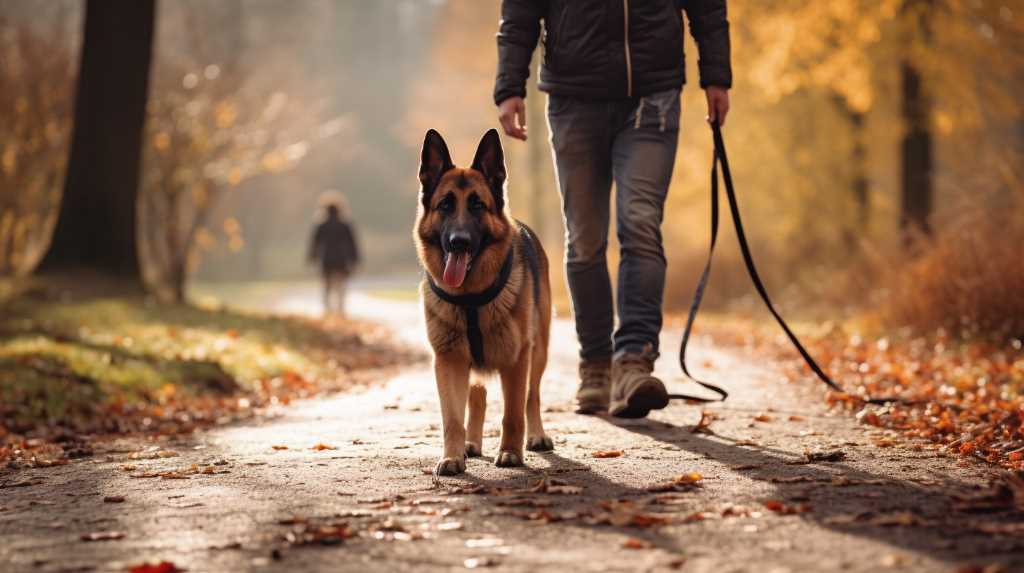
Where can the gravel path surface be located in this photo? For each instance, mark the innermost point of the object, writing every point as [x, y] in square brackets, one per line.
[364, 500]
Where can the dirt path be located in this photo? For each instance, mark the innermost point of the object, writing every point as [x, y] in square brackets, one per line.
[878, 508]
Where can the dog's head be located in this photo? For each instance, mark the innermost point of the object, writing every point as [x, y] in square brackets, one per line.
[462, 222]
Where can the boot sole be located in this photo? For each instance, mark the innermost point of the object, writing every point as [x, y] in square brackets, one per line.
[651, 395]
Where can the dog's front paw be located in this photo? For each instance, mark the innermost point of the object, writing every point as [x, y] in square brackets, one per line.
[473, 450]
[508, 459]
[540, 443]
[450, 466]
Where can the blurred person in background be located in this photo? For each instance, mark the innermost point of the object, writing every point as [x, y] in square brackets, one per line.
[334, 247]
[613, 71]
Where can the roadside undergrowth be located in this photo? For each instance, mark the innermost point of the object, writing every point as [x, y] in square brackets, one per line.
[944, 331]
[71, 370]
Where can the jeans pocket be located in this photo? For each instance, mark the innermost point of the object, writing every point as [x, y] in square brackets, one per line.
[557, 105]
[658, 111]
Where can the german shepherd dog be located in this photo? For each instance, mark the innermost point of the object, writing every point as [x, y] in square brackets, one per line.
[487, 301]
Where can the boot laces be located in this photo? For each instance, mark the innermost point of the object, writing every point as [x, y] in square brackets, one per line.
[593, 375]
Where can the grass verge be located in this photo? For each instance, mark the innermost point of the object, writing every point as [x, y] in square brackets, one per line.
[127, 364]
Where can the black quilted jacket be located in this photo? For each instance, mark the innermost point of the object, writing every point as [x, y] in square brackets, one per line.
[606, 49]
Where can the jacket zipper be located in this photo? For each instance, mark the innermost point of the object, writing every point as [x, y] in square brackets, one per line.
[629, 63]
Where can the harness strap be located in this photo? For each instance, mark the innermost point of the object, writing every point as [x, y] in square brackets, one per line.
[471, 303]
[748, 260]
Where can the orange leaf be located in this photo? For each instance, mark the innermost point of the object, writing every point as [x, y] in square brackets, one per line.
[162, 567]
[634, 543]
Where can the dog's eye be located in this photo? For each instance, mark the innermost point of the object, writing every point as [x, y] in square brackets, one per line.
[476, 205]
[447, 205]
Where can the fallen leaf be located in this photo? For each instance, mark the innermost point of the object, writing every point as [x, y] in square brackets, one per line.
[161, 567]
[102, 536]
[279, 447]
[763, 418]
[322, 446]
[450, 526]
[634, 543]
[785, 509]
[703, 425]
[681, 482]
[555, 487]
[114, 499]
[478, 489]
[601, 454]
[990, 568]
[901, 518]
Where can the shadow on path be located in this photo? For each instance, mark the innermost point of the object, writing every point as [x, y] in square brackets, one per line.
[915, 515]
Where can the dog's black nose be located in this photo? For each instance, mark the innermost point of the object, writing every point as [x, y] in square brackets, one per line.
[459, 241]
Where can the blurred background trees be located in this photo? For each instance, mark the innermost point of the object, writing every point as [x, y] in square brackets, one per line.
[859, 128]
[38, 66]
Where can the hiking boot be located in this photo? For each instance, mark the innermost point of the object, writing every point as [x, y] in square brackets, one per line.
[595, 385]
[635, 392]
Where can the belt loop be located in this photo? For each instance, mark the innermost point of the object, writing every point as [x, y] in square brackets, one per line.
[639, 113]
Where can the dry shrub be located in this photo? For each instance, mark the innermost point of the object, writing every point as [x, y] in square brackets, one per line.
[969, 279]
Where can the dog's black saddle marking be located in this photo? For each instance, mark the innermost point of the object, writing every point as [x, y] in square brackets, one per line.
[471, 303]
[530, 256]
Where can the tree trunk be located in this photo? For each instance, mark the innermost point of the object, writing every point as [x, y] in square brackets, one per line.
[916, 197]
[860, 184]
[96, 228]
[917, 192]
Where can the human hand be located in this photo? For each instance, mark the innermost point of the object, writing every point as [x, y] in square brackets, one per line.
[512, 116]
[718, 104]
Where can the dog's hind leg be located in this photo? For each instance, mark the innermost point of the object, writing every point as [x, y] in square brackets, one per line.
[513, 423]
[477, 409]
[536, 439]
[452, 387]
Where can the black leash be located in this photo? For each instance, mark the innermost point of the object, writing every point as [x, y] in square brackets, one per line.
[748, 260]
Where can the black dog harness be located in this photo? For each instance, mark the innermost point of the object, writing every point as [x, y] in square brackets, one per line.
[471, 303]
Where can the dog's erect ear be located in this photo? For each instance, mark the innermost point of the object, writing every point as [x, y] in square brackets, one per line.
[490, 160]
[434, 162]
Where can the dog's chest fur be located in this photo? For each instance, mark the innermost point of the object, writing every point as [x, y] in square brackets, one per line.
[504, 337]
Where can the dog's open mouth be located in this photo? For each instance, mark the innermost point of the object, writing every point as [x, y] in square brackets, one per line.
[455, 267]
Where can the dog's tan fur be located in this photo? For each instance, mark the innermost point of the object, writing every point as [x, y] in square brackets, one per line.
[515, 329]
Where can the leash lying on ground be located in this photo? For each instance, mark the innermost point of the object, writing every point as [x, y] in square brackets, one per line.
[748, 260]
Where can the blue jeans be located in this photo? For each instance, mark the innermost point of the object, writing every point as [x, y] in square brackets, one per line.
[633, 143]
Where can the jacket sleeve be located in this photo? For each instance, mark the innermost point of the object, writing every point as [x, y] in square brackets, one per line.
[518, 33]
[709, 26]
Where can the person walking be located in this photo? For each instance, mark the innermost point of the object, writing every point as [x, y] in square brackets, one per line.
[613, 71]
[333, 246]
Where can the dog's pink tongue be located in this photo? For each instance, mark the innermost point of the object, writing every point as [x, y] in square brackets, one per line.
[455, 269]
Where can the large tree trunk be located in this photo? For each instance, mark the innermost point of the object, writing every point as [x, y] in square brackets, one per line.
[96, 228]
[917, 149]
[917, 192]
